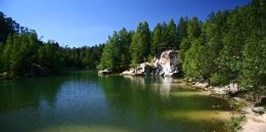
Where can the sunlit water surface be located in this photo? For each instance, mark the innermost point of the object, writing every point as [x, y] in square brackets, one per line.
[82, 101]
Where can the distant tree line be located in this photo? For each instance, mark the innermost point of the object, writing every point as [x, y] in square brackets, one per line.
[23, 54]
[228, 46]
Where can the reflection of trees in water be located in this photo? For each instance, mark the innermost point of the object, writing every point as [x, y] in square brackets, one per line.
[28, 93]
[32, 93]
[161, 85]
[151, 98]
[156, 93]
[126, 96]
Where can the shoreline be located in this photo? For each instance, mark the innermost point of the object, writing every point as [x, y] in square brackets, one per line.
[252, 122]
[243, 117]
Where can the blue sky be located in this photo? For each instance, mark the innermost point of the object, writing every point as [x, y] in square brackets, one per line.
[89, 22]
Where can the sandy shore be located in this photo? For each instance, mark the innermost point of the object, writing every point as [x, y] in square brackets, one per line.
[254, 122]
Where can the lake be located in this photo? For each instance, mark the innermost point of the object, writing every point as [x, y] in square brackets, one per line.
[84, 101]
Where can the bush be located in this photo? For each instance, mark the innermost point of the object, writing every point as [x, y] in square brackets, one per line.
[218, 80]
[235, 123]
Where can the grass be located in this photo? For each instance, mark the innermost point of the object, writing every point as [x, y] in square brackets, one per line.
[234, 124]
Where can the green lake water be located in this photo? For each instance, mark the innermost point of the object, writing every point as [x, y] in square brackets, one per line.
[86, 102]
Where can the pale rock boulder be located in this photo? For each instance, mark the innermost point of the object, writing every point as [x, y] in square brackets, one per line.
[166, 65]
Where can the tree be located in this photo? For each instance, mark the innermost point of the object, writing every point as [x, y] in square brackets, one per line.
[50, 56]
[253, 71]
[171, 37]
[181, 31]
[194, 28]
[193, 32]
[140, 46]
[197, 62]
[233, 40]
[116, 52]
[19, 52]
[213, 30]
[107, 60]
[156, 40]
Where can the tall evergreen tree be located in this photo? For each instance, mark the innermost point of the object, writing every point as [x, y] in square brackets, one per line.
[193, 32]
[181, 30]
[140, 46]
[156, 40]
[171, 37]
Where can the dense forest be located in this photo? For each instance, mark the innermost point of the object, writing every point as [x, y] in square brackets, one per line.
[22, 53]
[227, 46]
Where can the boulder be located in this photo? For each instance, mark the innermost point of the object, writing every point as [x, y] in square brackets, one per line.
[145, 68]
[128, 72]
[104, 72]
[3, 75]
[201, 85]
[166, 65]
[259, 110]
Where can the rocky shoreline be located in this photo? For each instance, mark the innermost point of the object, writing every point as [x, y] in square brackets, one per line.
[254, 117]
[168, 64]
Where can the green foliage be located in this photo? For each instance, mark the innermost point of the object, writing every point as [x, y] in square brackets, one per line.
[164, 37]
[194, 28]
[184, 47]
[235, 123]
[116, 52]
[50, 56]
[254, 64]
[230, 46]
[157, 40]
[18, 53]
[171, 37]
[181, 31]
[197, 62]
[193, 32]
[141, 42]
[219, 79]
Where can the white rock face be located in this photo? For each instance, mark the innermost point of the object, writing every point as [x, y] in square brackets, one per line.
[104, 72]
[166, 65]
[168, 62]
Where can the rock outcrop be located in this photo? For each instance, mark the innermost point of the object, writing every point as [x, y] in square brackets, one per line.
[104, 72]
[167, 65]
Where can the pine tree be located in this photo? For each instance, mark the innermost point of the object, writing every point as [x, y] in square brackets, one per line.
[181, 31]
[156, 40]
[141, 42]
[171, 37]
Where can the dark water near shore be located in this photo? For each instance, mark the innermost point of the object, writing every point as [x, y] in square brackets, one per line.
[82, 101]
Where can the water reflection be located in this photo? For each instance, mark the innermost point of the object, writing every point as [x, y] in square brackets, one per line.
[19, 94]
[160, 85]
[84, 102]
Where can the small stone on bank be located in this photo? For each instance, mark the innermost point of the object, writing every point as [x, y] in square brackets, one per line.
[259, 110]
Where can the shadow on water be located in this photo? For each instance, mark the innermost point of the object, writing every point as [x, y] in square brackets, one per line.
[82, 101]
